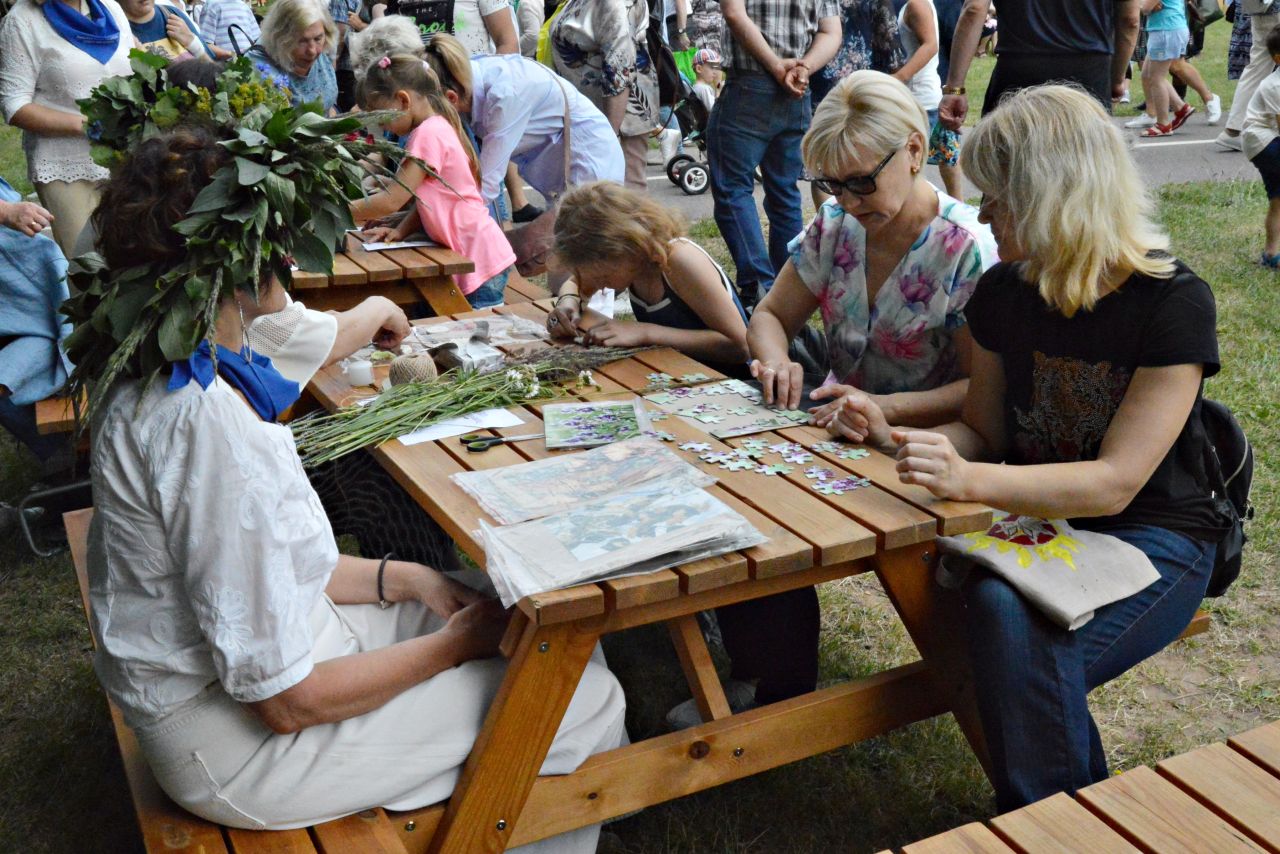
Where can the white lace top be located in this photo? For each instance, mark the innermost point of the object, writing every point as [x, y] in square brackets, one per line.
[207, 552]
[38, 66]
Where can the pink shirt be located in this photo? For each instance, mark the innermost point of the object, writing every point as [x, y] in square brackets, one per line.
[459, 219]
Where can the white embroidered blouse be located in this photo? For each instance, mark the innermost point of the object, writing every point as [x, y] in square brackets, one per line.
[38, 66]
[207, 552]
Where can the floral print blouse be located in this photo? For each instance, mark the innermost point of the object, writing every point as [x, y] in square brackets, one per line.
[904, 341]
[599, 47]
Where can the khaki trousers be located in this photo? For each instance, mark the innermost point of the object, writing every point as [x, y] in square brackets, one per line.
[71, 203]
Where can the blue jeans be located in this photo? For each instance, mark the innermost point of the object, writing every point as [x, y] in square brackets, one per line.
[1032, 678]
[490, 293]
[21, 422]
[756, 123]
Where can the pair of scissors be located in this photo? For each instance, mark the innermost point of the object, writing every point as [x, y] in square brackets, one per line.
[477, 442]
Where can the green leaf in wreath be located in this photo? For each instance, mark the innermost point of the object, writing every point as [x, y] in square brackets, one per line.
[312, 254]
[178, 338]
[250, 171]
[217, 194]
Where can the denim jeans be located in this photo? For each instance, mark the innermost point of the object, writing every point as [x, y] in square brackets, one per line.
[756, 123]
[21, 422]
[490, 293]
[1032, 677]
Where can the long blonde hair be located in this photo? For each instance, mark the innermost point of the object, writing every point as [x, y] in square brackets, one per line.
[1077, 207]
[452, 64]
[411, 74]
[604, 221]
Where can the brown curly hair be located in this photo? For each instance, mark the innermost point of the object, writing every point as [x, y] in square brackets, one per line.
[152, 192]
[604, 221]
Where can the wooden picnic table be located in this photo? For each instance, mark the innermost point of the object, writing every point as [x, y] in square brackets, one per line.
[404, 276]
[887, 528]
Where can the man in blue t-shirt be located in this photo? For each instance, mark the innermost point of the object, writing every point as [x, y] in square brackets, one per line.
[1087, 42]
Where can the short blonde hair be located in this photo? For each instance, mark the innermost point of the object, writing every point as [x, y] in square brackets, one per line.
[604, 221]
[867, 113]
[284, 24]
[386, 36]
[1079, 211]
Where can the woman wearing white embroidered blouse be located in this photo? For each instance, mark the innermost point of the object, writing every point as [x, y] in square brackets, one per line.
[265, 685]
[51, 54]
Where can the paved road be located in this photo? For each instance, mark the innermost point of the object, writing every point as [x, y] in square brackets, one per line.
[1188, 155]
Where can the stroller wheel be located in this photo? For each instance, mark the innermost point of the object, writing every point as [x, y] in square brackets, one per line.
[676, 165]
[694, 179]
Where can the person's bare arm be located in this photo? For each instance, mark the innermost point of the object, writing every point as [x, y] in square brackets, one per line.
[393, 197]
[920, 20]
[964, 44]
[774, 323]
[377, 319]
[503, 31]
[47, 121]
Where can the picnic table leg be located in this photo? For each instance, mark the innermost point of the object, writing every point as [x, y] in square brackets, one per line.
[442, 294]
[699, 669]
[935, 620]
[542, 675]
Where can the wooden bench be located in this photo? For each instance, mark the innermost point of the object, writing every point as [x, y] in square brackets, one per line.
[1216, 799]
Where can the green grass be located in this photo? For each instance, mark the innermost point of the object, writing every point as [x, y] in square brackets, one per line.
[13, 166]
[63, 785]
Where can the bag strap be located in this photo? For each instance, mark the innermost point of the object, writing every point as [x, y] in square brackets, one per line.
[568, 125]
[235, 44]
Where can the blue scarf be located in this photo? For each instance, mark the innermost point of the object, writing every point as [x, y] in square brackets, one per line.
[256, 378]
[96, 35]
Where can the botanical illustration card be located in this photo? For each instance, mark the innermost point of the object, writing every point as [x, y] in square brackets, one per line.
[518, 493]
[725, 409]
[589, 425]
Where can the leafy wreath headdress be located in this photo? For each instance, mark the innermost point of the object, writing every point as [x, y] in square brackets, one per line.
[282, 194]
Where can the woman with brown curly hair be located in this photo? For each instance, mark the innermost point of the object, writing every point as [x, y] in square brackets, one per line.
[266, 687]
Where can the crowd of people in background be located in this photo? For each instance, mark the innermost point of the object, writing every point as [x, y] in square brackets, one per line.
[929, 307]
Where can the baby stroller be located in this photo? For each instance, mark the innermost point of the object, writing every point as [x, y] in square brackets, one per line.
[690, 174]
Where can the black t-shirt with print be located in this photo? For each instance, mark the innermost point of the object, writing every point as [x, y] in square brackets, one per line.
[1065, 379]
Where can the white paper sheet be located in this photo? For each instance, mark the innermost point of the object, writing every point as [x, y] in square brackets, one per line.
[483, 420]
[404, 244]
[602, 301]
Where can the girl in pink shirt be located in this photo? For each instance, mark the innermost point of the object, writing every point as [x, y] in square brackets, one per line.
[449, 207]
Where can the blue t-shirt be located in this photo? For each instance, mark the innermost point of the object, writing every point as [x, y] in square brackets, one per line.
[320, 86]
[1172, 15]
[155, 39]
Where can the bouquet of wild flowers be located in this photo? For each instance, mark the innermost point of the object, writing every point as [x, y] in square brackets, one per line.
[322, 437]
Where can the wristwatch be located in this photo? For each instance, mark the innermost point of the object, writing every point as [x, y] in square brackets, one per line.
[953, 90]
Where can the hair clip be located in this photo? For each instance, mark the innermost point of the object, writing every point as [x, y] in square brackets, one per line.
[385, 62]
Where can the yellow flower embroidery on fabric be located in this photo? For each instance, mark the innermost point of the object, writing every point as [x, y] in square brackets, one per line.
[1029, 538]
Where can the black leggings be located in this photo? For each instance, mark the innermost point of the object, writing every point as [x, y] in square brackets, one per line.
[775, 640]
[1014, 71]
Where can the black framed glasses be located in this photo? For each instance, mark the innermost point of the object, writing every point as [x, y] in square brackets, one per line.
[858, 185]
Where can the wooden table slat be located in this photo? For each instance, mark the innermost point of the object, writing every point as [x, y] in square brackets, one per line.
[676, 364]
[424, 470]
[1059, 825]
[966, 839]
[636, 590]
[954, 517]
[347, 272]
[369, 831]
[1232, 786]
[448, 262]
[712, 572]
[1156, 815]
[377, 267]
[301, 280]
[562, 606]
[269, 841]
[1261, 745]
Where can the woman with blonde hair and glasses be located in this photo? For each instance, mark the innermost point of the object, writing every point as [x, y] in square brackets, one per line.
[1091, 345]
[298, 40]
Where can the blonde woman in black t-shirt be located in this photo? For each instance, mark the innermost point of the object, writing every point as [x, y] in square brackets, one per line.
[1091, 343]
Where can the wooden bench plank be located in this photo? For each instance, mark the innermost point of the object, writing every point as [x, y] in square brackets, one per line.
[370, 831]
[270, 841]
[1235, 788]
[376, 267]
[1200, 623]
[1059, 825]
[303, 281]
[1261, 745]
[966, 839]
[55, 415]
[1156, 815]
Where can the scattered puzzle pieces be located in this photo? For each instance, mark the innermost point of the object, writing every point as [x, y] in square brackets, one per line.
[827, 487]
[660, 434]
[738, 465]
[755, 444]
[826, 447]
[694, 378]
[696, 447]
[716, 457]
[662, 398]
[741, 410]
[748, 453]
[799, 416]
[800, 458]
[840, 487]
[775, 469]
[819, 473]
[660, 379]
[658, 416]
[853, 454]
[709, 419]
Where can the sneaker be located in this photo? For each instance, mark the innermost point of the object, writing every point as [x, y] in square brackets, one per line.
[528, 213]
[741, 696]
[1180, 118]
[1124, 99]
[1213, 111]
[1142, 121]
[1229, 142]
[1272, 261]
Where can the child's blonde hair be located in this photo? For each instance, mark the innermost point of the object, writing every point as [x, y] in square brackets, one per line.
[1051, 156]
[452, 64]
[389, 75]
[603, 221]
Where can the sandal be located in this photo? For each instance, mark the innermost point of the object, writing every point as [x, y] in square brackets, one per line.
[1157, 130]
[1180, 117]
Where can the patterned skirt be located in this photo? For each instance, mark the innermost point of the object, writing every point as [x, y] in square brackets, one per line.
[1239, 46]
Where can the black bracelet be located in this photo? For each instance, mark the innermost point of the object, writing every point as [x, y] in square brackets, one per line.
[382, 567]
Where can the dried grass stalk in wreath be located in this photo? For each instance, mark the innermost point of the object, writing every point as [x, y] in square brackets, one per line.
[323, 437]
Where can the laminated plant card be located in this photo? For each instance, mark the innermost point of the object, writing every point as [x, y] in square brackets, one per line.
[725, 409]
[589, 425]
[526, 491]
